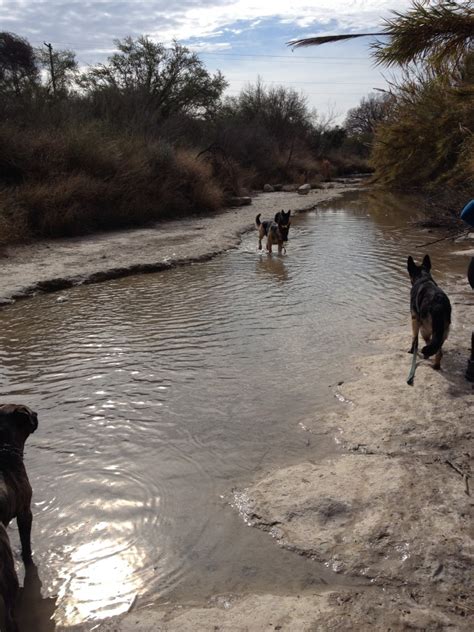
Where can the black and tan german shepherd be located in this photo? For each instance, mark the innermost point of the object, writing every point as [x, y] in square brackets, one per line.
[430, 310]
[275, 231]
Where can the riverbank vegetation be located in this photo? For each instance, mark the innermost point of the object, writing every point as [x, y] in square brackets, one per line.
[421, 130]
[146, 135]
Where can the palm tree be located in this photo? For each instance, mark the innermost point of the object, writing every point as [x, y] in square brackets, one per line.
[436, 33]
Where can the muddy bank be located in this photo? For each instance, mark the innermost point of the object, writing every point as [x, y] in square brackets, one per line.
[318, 612]
[53, 265]
[393, 510]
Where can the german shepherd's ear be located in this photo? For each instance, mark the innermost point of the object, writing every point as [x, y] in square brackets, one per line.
[426, 263]
[411, 266]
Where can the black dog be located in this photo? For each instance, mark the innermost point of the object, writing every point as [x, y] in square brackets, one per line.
[430, 310]
[17, 422]
[275, 232]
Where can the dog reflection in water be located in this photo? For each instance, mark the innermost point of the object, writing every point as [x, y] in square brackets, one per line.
[33, 612]
[273, 266]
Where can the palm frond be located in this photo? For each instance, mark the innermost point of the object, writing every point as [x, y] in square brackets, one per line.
[435, 33]
[326, 39]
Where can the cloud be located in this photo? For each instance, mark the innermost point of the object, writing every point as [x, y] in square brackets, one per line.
[80, 24]
[209, 47]
[237, 36]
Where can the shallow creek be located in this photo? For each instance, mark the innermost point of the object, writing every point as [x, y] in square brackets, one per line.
[158, 394]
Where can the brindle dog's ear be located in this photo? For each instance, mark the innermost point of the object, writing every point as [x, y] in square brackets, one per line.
[426, 263]
[411, 266]
[28, 416]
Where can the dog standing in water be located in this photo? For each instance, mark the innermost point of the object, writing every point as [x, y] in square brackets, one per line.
[430, 310]
[275, 231]
[17, 422]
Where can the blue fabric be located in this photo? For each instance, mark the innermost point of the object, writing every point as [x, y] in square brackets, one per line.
[467, 214]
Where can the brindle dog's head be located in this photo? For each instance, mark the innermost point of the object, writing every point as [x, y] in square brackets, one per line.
[17, 422]
[283, 221]
[415, 271]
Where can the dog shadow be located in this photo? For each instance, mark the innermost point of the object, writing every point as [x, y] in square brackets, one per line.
[273, 265]
[34, 613]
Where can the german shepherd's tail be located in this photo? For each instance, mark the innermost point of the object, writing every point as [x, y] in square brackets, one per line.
[440, 321]
[257, 220]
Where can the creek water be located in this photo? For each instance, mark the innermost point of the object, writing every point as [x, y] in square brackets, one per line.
[159, 394]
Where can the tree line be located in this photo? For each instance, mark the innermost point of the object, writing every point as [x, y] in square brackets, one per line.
[148, 133]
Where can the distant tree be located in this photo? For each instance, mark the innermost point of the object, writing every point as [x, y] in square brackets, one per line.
[18, 69]
[170, 80]
[282, 111]
[60, 67]
[361, 121]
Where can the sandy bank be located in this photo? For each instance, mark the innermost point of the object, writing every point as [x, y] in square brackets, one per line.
[57, 264]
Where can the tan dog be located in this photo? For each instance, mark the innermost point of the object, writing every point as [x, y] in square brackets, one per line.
[17, 422]
[276, 232]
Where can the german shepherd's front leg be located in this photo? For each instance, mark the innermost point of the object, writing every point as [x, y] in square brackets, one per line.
[415, 326]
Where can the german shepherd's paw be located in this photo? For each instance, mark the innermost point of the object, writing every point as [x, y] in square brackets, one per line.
[426, 352]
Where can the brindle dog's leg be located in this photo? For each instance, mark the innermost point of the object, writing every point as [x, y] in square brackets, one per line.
[261, 235]
[24, 527]
[415, 326]
[269, 243]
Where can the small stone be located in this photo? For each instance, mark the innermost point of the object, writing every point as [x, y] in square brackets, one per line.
[304, 189]
[240, 201]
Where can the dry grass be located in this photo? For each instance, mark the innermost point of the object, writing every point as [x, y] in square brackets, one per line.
[82, 180]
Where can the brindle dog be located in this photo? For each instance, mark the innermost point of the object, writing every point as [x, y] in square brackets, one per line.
[430, 310]
[17, 422]
[275, 231]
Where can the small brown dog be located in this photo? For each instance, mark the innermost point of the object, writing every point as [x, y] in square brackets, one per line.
[276, 232]
[17, 422]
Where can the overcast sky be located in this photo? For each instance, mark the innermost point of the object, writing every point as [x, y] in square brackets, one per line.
[243, 38]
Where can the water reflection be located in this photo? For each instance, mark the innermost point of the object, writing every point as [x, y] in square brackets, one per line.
[273, 266]
[34, 612]
[104, 581]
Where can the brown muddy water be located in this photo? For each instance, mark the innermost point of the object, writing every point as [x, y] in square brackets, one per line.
[158, 394]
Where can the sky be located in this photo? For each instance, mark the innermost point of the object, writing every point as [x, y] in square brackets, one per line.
[244, 39]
